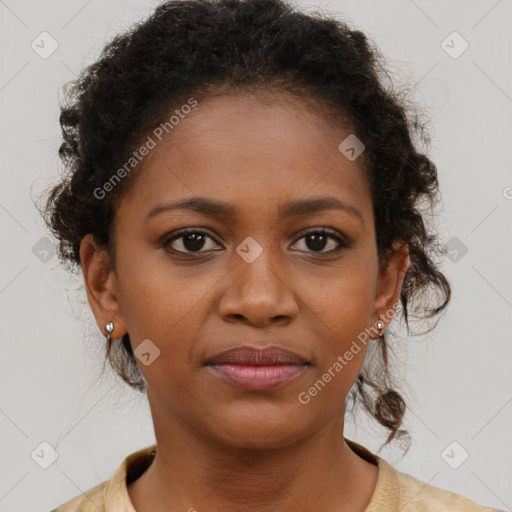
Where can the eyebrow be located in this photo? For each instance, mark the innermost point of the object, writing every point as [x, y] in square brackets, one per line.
[215, 208]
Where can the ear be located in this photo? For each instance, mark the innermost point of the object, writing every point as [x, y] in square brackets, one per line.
[389, 286]
[101, 286]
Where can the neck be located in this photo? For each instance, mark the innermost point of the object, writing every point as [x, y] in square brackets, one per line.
[192, 471]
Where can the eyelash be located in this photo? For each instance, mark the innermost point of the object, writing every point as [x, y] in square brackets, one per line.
[343, 242]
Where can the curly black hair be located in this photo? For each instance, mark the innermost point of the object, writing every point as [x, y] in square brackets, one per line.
[192, 48]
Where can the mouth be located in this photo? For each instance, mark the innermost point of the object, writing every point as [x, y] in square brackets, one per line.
[253, 369]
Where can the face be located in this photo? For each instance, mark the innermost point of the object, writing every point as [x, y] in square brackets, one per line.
[256, 272]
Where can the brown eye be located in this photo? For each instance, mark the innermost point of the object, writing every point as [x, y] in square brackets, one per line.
[189, 241]
[319, 240]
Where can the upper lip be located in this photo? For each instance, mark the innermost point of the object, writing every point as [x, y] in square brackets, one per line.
[268, 356]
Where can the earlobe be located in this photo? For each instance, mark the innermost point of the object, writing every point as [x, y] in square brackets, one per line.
[101, 285]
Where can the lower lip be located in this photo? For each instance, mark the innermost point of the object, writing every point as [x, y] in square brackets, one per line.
[258, 378]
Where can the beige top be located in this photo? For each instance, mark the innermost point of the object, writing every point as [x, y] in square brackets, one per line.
[394, 492]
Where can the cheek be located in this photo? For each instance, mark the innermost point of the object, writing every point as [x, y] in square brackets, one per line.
[341, 351]
[345, 302]
[160, 300]
[167, 305]
[343, 312]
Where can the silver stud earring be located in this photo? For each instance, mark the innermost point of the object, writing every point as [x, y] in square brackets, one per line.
[380, 326]
[109, 328]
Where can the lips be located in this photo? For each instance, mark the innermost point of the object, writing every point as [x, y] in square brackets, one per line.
[249, 356]
[253, 369]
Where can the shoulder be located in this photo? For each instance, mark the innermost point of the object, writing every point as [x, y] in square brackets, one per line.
[92, 500]
[398, 491]
[112, 495]
[418, 496]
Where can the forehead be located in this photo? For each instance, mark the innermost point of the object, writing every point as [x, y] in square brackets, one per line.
[253, 149]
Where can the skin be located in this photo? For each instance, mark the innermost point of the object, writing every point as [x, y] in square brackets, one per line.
[256, 153]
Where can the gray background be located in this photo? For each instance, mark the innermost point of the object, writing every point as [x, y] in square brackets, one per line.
[457, 380]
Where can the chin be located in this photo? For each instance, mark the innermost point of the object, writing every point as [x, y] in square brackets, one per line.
[260, 427]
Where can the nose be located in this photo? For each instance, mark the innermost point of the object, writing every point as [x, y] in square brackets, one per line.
[257, 293]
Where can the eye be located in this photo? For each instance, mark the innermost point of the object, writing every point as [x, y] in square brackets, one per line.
[191, 239]
[318, 239]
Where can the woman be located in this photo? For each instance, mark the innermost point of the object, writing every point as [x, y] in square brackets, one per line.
[244, 203]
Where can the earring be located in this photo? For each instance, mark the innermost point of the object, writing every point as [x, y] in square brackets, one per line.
[109, 328]
[380, 326]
